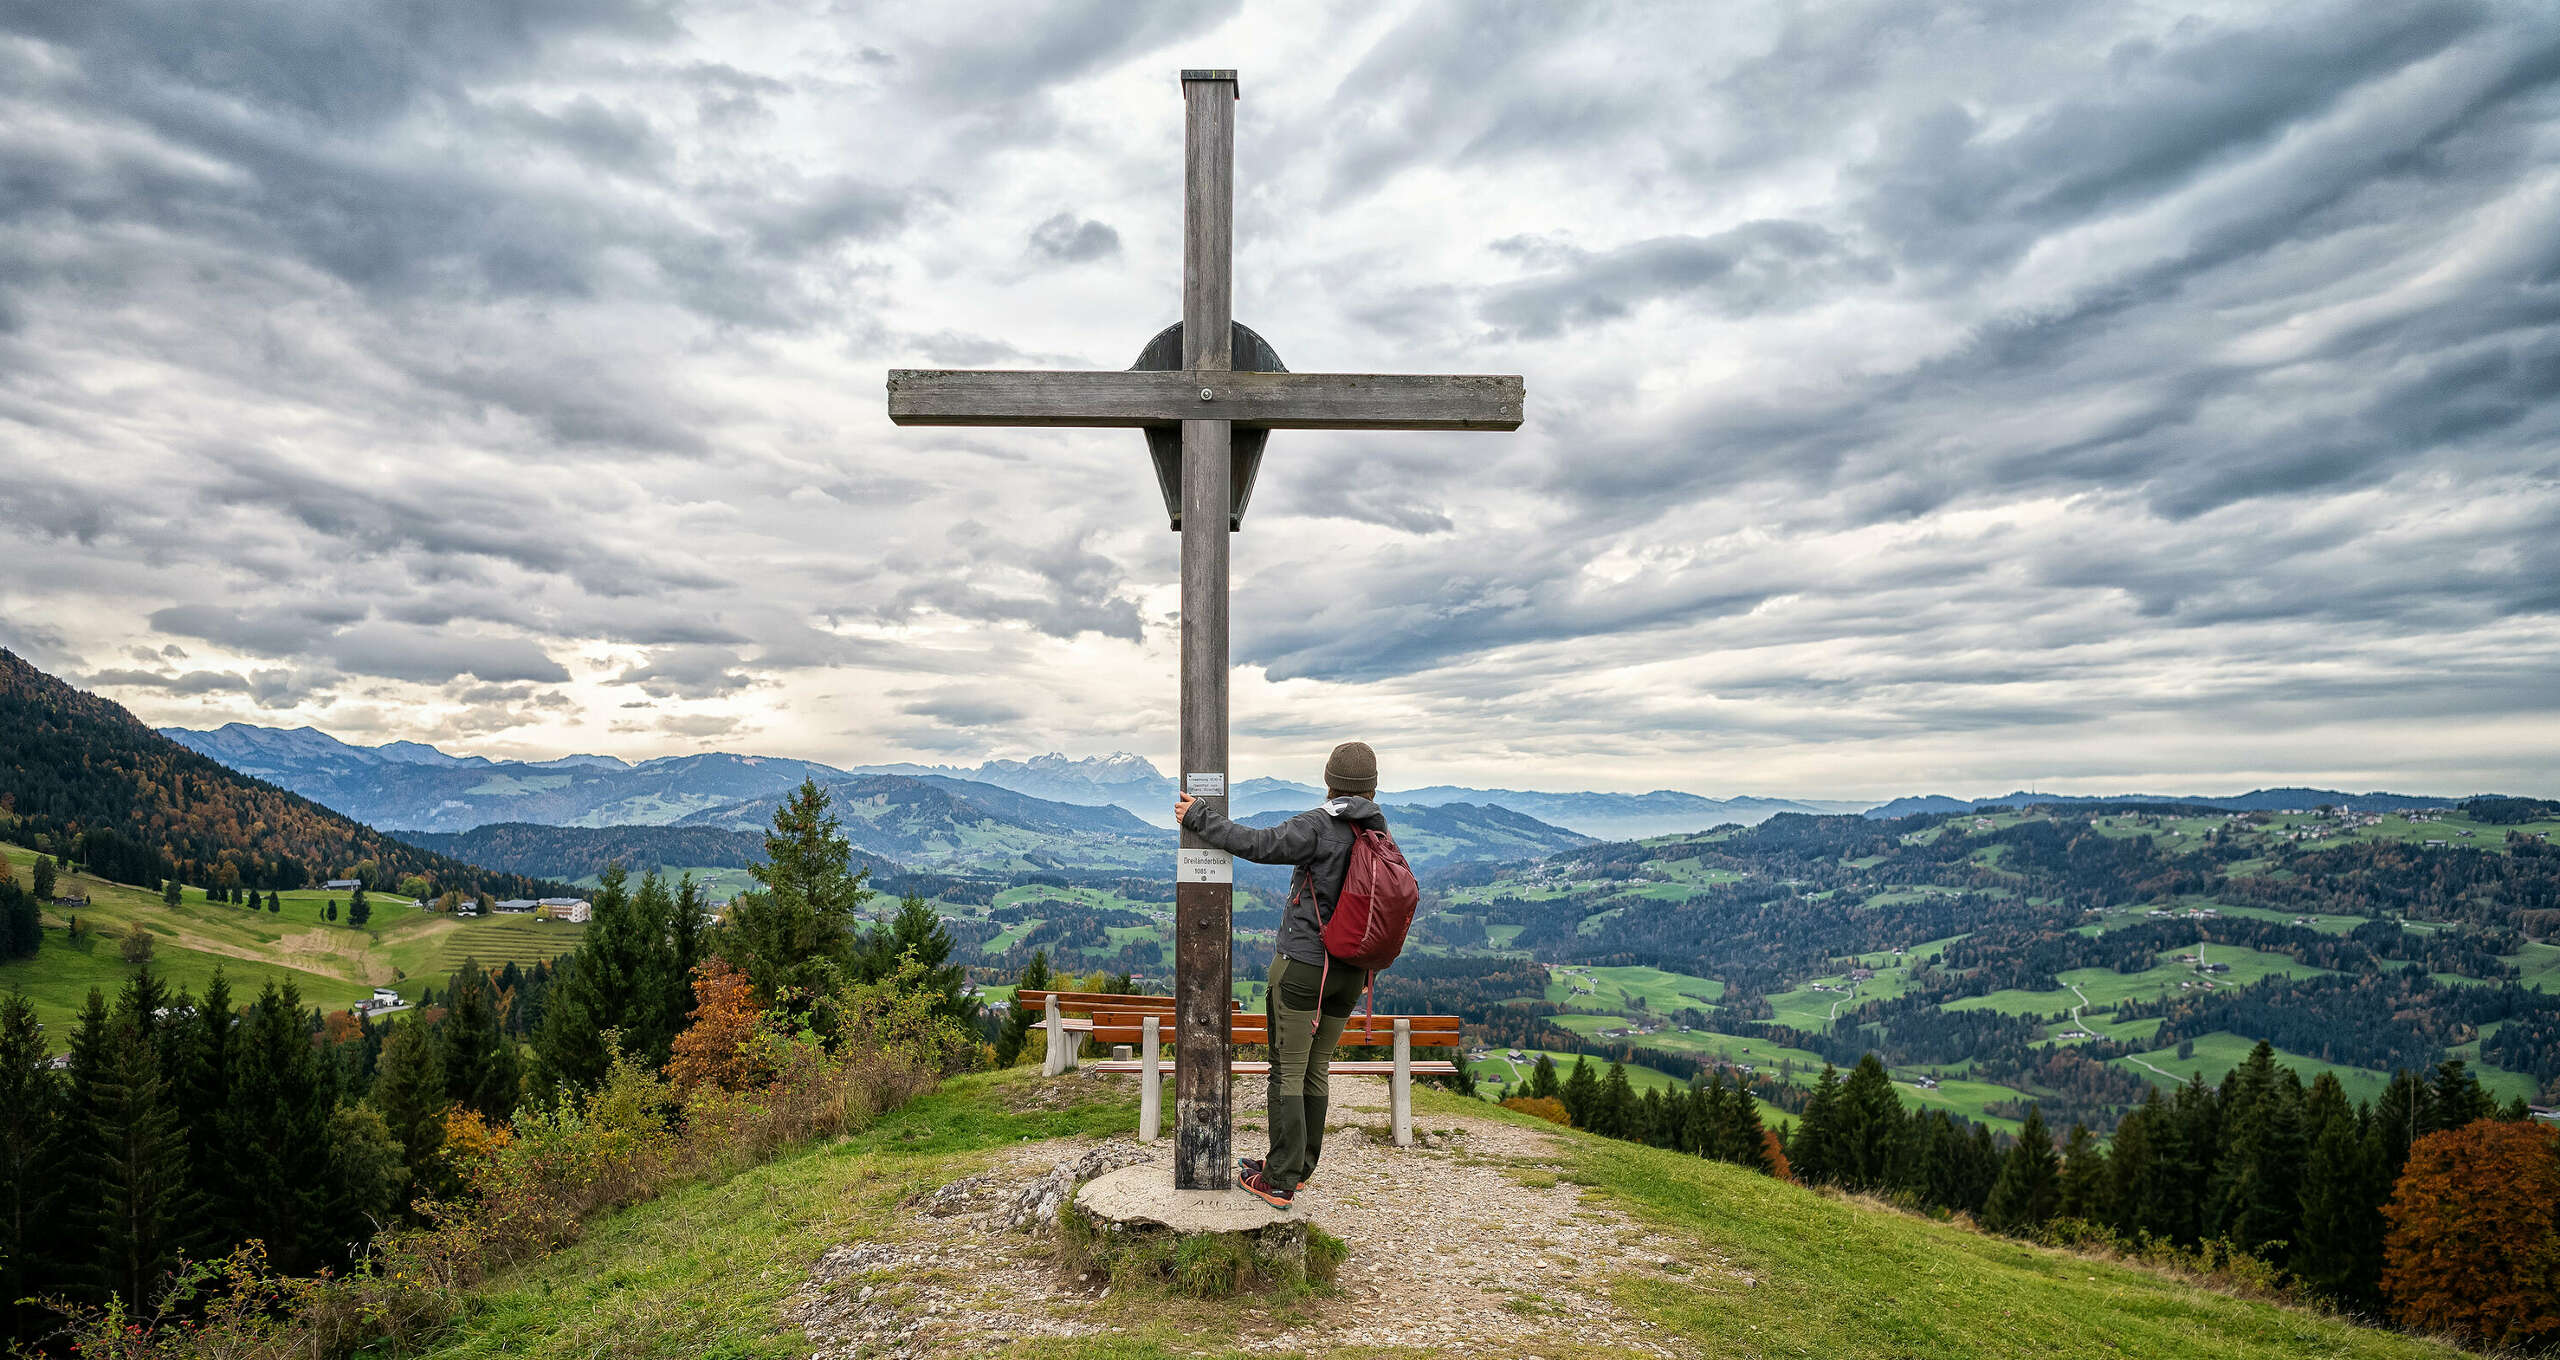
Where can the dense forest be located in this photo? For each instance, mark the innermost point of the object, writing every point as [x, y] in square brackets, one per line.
[183, 1128]
[81, 779]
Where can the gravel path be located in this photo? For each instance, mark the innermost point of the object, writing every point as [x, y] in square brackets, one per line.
[1469, 1240]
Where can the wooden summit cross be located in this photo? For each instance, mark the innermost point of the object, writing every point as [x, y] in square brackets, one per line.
[1224, 390]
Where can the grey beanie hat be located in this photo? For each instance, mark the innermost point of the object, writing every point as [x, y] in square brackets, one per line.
[1352, 768]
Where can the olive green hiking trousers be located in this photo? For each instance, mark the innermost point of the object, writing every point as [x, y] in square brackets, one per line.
[1305, 1026]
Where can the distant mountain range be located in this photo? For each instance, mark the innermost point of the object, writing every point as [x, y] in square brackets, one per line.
[415, 786]
[900, 824]
[1117, 780]
[411, 785]
[420, 788]
[1603, 816]
[77, 769]
[2257, 800]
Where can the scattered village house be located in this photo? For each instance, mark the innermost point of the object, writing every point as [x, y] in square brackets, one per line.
[342, 885]
[572, 909]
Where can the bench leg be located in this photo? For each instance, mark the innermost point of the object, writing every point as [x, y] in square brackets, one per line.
[1151, 1086]
[1056, 1062]
[1401, 1084]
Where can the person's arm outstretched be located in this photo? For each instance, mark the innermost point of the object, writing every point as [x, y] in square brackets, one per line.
[1291, 842]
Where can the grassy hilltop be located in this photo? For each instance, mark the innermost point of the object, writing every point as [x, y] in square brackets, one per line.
[1764, 1268]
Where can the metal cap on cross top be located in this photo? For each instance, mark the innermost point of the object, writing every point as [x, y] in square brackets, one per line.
[1208, 393]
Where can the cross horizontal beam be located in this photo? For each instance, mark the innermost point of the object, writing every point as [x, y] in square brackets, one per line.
[1277, 401]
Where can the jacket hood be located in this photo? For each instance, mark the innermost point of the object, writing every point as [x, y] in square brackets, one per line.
[1355, 808]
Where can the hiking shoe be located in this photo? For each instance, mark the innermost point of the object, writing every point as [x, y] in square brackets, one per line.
[1252, 1166]
[1254, 1184]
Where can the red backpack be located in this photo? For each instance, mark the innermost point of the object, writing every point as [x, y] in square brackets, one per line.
[1375, 910]
[1370, 918]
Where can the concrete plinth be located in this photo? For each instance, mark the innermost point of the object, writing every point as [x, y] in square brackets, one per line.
[1145, 1194]
[1134, 1225]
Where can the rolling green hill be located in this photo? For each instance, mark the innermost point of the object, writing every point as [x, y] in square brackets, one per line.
[334, 964]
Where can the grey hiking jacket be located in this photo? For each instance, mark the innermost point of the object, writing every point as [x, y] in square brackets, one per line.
[1317, 841]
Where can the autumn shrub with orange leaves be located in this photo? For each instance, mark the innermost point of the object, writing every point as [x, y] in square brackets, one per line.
[2474, 1244]
[719, 1048]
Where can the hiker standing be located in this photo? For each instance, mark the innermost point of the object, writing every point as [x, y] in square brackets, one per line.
[1311, 992]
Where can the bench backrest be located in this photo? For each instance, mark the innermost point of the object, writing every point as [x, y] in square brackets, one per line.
[1252, 1027]
[1086, 1003]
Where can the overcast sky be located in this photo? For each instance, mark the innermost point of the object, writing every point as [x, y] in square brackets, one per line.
[1922, 398]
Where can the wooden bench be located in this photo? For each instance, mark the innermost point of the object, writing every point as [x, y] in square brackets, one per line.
[1145, 1020]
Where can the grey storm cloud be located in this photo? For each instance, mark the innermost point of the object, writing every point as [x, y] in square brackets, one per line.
[1072, 240]
[270, 688]
[695, 672]
[259, 632]
[436, 656]
[965, 711]
[1755, 267]
[1966, 386]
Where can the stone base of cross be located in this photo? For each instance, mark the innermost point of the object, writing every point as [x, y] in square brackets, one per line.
[1207, 420]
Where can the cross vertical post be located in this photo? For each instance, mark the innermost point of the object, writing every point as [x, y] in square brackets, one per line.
[1203, 987]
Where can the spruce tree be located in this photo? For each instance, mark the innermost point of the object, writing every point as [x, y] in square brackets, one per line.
[204, 1102]
[1615, 1111]
[1698, 1119]
[2404, 1114]
[21, 920]
[1653, 1123]
[1939, 1160]
[130, 1167]
[171, 894]
[31, 1179]
[409, 1090]
[916, 930]
[44, 878]
[2338, 1247]
[1543, 1082]
[1745, 1139]
[1872, 1126]
[1982, 1165]
[793, 936]
[2030, 1184]
[368, 1168]
[359, 910]
[280, 1108]
[1710, 1098]
[604, 989]
[2183, 1159]
[78, 1270]
[2458, 1098]
[2085, 1179]
[1815, 1152]
[1580, 1094]
[481, 1070]
[687, 948]
[661, 990]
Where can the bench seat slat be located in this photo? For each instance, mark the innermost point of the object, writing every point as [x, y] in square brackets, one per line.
[1260, 1039]
[1257, 1069]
